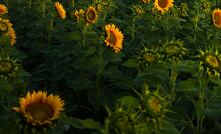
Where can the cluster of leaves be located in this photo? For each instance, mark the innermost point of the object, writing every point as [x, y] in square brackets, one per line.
[69, 58]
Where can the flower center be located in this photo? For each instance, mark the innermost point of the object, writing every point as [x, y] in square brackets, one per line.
[5, 66]
[212, 61]
[40, 111]
[172, 50]
[91, 15]
[154, 105]
[138, 10]
[162, 3]
[217, 18]
[3, 26]
[112, 38]
[149, 57]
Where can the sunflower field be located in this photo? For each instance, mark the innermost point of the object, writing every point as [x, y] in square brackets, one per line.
[110, 66]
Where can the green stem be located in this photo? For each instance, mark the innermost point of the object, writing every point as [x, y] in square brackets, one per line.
[29, 3]
[133, 28]
[72, 3]
[201, 113]
[43, 8]
[173, 77]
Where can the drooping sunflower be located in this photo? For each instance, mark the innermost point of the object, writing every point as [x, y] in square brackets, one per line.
[138, 10]
[148, 56]
[91, 15]
[39, 108]
[5, 25]
[8, 68]
[79, 14]
[210, 61]
[12, 36]
[146, 1]
[114, 37]
[163, 5]
[217, 18]
[154, 104]
[3, 9]
[60, 9]
[173, 50]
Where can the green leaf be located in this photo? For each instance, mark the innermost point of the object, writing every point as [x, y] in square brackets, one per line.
[167, 128]
[131, 63]
[190, 86]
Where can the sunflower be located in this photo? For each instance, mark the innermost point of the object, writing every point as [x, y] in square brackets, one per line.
[3, 9]
[91, 15]
[120, 122]
[39, 108]
[183, 9]
[79, 14]
[163, 5]
[217, 18]
[146, 1]
[154, 104]
[210, 61]
[12, 36]
[138, 10]
[8, 68]
[173, 50]
[148, 56]
[60, 9]
[114, 37]
[5, 25]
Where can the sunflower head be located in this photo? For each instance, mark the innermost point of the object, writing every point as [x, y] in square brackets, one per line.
[39, 108]
[114, 37]
[5, 25]
[154, 104]
[148, 56]
[183, 9]
[137, 10]
[210, 61]
[206, 6]
[8, 68]
[3, 9]
[79, 14]
[163, 5]
[119, 122]
[60, 10]
[91, 15]
[173, 50]
[217, 18]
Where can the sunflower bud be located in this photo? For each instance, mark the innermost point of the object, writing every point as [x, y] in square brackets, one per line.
[210, 61]
[120, 122]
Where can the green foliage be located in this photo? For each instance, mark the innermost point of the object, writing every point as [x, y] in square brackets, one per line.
[108, 92]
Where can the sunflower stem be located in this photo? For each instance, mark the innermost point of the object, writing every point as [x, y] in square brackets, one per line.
[29, 3]
[43, 7]
[133, 28]
[72, 3]
[201, 106]
[173, 77]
